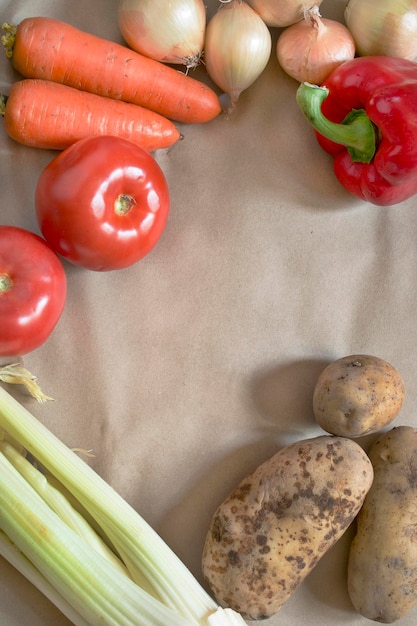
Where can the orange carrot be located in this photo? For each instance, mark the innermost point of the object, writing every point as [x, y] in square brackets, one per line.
[44, 114]
[49, 49]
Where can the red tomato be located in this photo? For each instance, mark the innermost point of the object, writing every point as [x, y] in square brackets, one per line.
[102, 203]
[33, 291]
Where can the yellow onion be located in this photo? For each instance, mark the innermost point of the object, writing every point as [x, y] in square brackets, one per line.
[170, 32]
[237, 48]
[282, 13]
[311, 49]
[383, 27]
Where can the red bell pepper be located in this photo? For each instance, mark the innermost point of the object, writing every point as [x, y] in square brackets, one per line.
[365, 115]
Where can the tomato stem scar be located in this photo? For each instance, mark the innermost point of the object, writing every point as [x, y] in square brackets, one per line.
[6, 283]
[123, 204]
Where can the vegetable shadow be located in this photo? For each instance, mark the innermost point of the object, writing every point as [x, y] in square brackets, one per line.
[282, 400]
[283, 395]
[185, 526]
[327, 582]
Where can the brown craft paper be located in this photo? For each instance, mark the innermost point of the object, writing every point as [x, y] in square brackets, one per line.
[187, 370]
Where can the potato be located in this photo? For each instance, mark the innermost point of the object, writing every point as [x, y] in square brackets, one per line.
[357, 395]
[278, 522]
[382, 568]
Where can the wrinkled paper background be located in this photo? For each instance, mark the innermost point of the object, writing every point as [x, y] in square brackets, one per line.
[186, 371]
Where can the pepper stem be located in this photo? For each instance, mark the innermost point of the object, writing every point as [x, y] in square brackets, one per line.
[356, 132]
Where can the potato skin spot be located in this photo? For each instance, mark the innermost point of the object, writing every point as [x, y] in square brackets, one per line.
[278, 522]
[385, 542]
[357, 395]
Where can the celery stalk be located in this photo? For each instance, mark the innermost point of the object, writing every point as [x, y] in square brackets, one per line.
[58, 503]
[143, 551]
[12, 554]
[96, 590]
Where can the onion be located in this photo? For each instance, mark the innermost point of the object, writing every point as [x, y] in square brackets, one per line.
[383, 27]
[311, 49]
[282, 12]
[237, 48]
[170, 32]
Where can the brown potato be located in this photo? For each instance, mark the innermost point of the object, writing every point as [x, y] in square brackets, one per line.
[357, 395]
[382, 569]
[279, 521]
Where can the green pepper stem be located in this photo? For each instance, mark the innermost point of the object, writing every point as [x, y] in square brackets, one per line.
[356, 132]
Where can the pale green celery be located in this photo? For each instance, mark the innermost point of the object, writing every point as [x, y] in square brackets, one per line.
[96, 590]
[140, 547]
[58, 503]
[17, 559]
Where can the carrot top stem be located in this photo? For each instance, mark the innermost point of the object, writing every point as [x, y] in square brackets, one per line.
[8, 38]
[3, 100]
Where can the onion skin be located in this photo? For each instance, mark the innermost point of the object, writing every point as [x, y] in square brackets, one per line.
[282, 13]
[169, 32]
[310, 50]
[383, 28]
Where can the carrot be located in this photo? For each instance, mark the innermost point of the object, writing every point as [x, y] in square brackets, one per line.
[44, 114]
[49, 49]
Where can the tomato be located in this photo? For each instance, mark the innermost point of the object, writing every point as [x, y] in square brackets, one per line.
[102, 203]
[33, 291]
